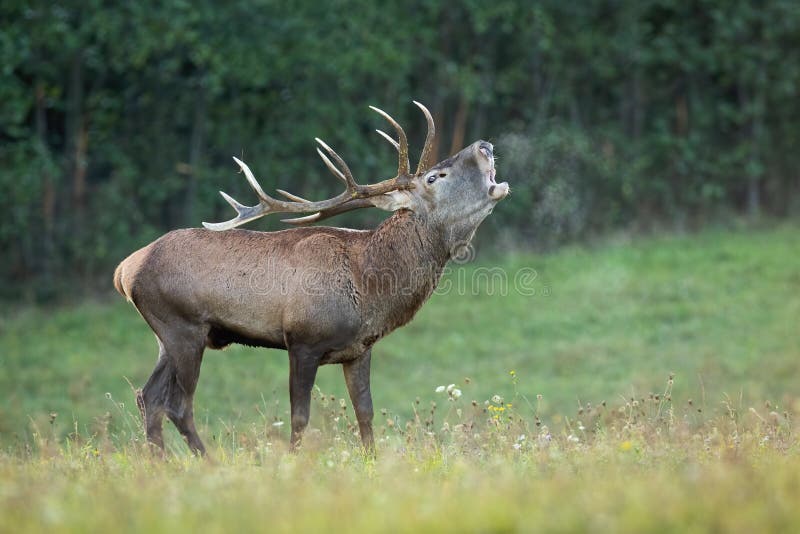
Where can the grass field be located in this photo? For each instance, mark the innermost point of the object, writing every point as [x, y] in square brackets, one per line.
[590, 434]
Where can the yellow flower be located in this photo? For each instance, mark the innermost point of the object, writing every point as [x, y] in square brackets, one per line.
[625, 446]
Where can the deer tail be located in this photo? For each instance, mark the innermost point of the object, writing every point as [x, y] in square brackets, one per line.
[118, 280]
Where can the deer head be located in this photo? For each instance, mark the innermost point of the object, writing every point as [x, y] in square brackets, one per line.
[454, 195]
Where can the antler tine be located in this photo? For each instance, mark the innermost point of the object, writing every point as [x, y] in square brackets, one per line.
[388, 137]
[244, 214]
[403, 166]
[291, 196]
[428, 148]
[253, 182]
[344, 171]
[331, 167]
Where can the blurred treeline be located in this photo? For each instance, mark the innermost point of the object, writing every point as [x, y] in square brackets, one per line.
[118, 120]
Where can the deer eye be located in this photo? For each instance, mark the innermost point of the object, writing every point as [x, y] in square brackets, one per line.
[432, 178]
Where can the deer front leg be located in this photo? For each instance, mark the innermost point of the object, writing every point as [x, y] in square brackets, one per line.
[303, 365]
[356, 375]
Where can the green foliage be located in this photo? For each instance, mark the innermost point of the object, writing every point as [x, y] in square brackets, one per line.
[118, 121]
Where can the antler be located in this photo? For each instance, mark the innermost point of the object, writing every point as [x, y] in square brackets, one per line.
[354, 196]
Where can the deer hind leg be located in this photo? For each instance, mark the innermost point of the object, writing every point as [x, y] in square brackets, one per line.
[170, 389]
[186, 354]
[150, 399]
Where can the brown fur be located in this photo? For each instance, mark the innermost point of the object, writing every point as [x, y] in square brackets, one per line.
[325, 294]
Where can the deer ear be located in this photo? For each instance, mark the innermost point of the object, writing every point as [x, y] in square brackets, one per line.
[393, 200]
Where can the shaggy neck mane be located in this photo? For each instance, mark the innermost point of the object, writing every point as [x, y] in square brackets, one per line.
[400, 266]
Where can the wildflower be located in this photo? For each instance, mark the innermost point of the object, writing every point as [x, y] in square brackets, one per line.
[342, 403]
[573, 439]
[456, 393]
[450, 388]
[512, 372]
[521, 437]
[277, 423]
[440, 389]
[625, 446]
[517, 446]
[497, 399]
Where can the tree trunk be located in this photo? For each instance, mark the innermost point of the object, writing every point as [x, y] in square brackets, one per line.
[76, 145]
[459, 129]
[195, 156]
[755, 168]
[45, 261]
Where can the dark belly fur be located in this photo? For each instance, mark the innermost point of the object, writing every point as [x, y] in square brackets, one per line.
[219, 338]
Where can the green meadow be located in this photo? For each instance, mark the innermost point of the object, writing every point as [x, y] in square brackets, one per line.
[635, 384]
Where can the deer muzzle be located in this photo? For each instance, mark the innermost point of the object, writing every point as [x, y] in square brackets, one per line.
[499, 191]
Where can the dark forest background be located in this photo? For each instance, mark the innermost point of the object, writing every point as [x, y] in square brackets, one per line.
[118, 120]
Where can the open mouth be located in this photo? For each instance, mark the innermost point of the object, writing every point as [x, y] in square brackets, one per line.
[496, 191]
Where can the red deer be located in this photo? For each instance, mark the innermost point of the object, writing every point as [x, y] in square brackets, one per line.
[325, 295]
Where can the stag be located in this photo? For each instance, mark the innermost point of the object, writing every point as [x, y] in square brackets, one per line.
[326, 295]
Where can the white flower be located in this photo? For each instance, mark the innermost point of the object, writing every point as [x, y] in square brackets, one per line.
[521, 437]
[456, 393]
[439, 389]
[517, 446]
[450, 388]
[277, 423]
[573, 439]
[497, 399]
